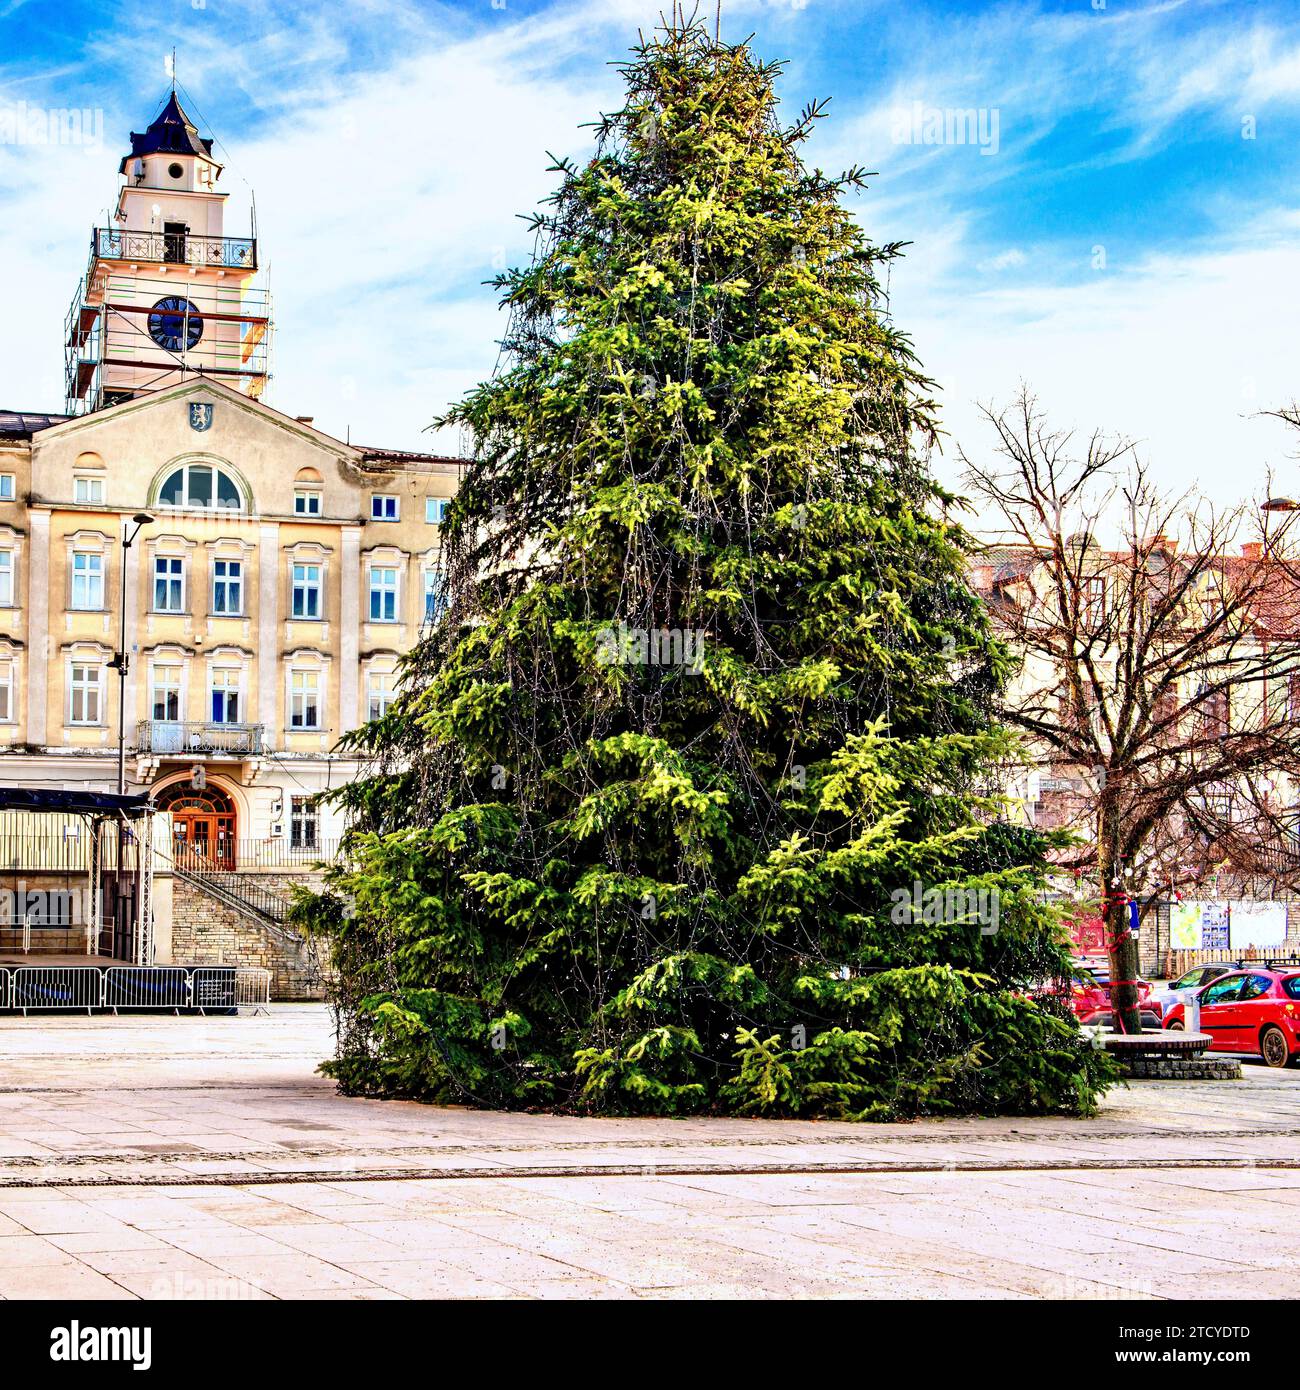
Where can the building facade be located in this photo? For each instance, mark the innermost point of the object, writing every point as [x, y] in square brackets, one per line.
[1154, 677]
[262, 578]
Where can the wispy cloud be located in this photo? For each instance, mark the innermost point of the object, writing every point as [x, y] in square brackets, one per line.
[392, 144]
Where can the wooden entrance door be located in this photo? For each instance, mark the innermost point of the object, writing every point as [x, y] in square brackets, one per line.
[203, 827]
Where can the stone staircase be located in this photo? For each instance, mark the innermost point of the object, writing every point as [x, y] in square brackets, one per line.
[220, 917]
[240, 891]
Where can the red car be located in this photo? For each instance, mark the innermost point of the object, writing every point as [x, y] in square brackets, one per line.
[1090, 1000]
[1256, 1011]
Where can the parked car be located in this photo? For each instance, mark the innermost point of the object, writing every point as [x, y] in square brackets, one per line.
[1090, 1000]
[1097, 970]
[1181, 990]
[1252, 1011]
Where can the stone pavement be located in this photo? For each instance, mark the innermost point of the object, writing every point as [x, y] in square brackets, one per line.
[165, 1157]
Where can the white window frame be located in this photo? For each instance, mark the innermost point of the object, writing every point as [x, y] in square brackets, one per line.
[185, 504]
[8, 571]
[306, 501]
[298, 695]
[435, 510]
[8, 487]
[227, 580]
[169, 579]
[379, 505]
[8, 714]
[91, 575]
[85, 486]
[381, 691]
[86, 688]
[309, 586]
[304, 823]
[380, 591]
[166, 688]
[228, 680]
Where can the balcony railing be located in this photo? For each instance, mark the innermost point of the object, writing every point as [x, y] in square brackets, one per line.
[284, 852]
[190, 738]
[267, 854]
[175, 248]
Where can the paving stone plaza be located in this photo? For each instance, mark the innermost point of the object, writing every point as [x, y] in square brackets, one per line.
[205, 1158]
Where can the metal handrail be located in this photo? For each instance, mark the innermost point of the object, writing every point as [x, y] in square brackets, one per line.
[174, 248]
[279, 852]
[235, 891]
[187, 736]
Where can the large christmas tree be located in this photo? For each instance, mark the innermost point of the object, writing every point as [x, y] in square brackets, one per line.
[673, 809]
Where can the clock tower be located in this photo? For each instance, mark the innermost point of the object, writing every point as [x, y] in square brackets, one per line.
[167, 294]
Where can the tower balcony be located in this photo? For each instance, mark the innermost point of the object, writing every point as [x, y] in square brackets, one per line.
[175, 248]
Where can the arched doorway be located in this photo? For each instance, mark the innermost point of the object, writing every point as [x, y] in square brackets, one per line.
[203, 825]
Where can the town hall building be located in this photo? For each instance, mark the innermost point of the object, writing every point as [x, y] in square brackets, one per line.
[261, 578]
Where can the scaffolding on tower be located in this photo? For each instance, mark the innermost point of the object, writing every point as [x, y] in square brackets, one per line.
[156, 307]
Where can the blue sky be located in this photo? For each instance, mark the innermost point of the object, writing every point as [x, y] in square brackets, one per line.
[1123, 234]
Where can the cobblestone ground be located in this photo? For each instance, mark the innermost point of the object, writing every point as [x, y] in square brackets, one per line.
[165, 1157]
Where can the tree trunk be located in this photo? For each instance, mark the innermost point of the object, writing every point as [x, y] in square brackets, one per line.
[1121, 944]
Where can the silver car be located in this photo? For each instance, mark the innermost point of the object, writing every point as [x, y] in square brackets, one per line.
[1180, 991]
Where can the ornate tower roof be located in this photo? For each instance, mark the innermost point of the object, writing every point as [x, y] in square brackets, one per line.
[171, 132]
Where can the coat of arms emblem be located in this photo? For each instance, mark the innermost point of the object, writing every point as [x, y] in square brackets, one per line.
[200, 415]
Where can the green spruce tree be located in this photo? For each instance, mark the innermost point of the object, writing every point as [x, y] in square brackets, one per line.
[707, 718]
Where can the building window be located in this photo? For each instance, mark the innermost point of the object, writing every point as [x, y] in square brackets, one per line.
[383, 506]
[6, 487]
[1094, 600]
[6, 692]
[435, 509]
[228, 586]
[165, 700]
[306, 502]
[381, 692]
[6, 579]
[84, 693]
[306, 591]
[435, 594]
[1214, 709]
[304, 823]
[88, 490]
[383, 595]
[1217, 798]
[87, 580]
[201, 485]
[225, 697]
[168, 584]
[304, 700]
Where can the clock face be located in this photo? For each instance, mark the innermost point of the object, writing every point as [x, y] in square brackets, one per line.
[175, 324]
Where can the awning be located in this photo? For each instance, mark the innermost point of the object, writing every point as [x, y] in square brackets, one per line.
[78, 803]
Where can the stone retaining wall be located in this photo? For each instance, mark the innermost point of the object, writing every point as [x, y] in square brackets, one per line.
[208, 932]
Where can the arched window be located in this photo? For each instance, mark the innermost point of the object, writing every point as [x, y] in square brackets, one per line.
[201, 485]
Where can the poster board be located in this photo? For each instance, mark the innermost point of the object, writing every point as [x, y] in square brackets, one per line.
[1256, 924]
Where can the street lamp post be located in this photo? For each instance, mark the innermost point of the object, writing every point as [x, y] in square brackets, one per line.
[121, 661]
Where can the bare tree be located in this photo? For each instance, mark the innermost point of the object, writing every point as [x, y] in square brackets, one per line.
[1161, 666]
